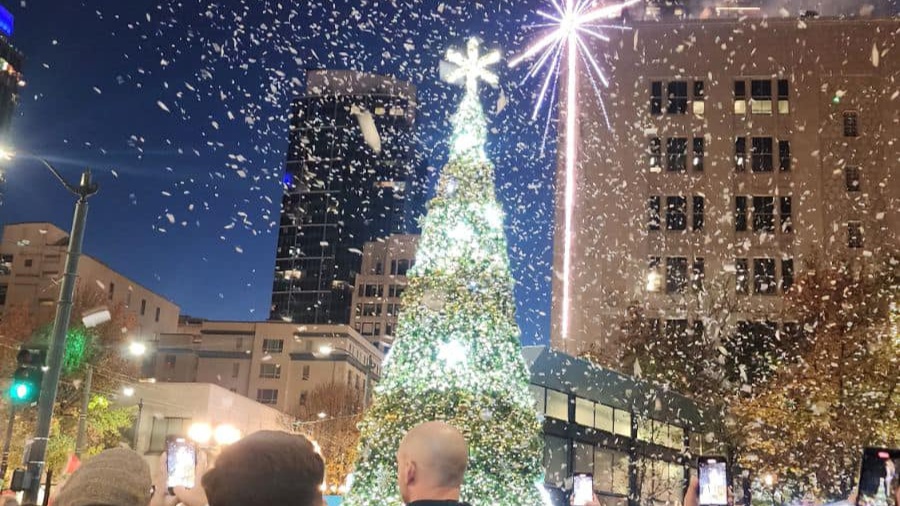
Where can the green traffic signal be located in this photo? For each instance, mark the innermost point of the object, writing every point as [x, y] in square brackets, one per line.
[20, 391]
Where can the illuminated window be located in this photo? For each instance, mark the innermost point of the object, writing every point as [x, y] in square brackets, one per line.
[603, 417]
[784, 105]
[622, 425]
[584, 412]
[557, 405]
[761, 96]
[740, 97]
[267, 396]
[740, 154]
[699, 152]
[699, 99]
[741, 274]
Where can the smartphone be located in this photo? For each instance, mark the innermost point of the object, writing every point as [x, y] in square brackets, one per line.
[583, 491]
[713, 477]
[181, 462]
[878, 477]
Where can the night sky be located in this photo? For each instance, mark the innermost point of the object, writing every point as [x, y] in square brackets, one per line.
[180, 111]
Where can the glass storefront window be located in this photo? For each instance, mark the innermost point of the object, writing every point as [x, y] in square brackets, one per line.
[584, 412]
[557, 405]
[603, 417]
[556, 460]
[538, 394]
[623, 423]
[584, 457]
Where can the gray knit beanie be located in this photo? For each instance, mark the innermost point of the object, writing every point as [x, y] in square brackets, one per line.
[117, 477]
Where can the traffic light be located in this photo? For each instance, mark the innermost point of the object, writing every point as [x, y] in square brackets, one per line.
[26, 383]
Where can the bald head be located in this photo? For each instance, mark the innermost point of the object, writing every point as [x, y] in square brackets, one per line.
[432, 460]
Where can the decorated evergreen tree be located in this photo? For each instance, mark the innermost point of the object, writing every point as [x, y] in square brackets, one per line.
[457, 355]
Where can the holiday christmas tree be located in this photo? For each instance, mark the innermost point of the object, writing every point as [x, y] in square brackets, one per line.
[457, 355]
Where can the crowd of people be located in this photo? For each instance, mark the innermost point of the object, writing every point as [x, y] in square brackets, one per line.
[270, 468]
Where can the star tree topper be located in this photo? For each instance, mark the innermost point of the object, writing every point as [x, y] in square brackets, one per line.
[472, 66]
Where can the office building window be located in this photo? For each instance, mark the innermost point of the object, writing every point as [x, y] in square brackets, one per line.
[273, 345]
[677, 94]
[761, 96]
[235, 369]
[854, 234]
[163, 427]
[740, 214]
[740, 154]
[4, 288]
[851, 177]
[676, 213]
[761, 154]
[764, 276]
[305, 373]
[143, 307]
[170, 361]
[676, 154]
[764, 214]
[112, 290]
[656, 88]
[699, 207]
[396, 291]
[29, 262]
[269, 371]
[851, 124]
[698, 274]
[303, 397]
[785, 210]
[784, 104]
[371, 309]
[539, 394]
[653, 219]
[239, 343]
[379, 268]
[741, 276]
[699, 152]
[372, 290]
[787, 274]
[676, 274]
[699, 103]
[267, 396]
[400, 267]
[622, 425]
[784, 155]
[655, 153]
[156, 317]
[584, 412]
[740, 97]
[6, 263]
[654, 278]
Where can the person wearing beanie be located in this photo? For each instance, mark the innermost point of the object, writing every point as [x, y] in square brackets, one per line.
[117, 477]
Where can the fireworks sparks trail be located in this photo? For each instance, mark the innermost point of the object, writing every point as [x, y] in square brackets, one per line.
[573, 22]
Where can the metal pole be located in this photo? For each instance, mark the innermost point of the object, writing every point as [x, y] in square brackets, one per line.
[137, 425]
[36, 461]
[82, 416]
[4, 464]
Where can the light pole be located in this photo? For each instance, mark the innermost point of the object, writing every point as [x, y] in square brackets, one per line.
[85, 189]
[135, 349]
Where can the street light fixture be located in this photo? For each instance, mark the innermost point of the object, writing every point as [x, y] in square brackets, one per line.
[137, 349]
[326, 350]
[85, 189]
[128, 391]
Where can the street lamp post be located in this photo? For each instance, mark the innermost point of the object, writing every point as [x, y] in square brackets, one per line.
[136, 349]
[36, 463]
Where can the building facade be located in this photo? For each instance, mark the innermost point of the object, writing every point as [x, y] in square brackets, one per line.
[638, 440]
[379, 286]
[32, 262]
[278, 364]
[173, 408]
[350, 160]
[741, 152]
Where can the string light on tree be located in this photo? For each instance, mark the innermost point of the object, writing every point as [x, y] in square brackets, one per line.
[456, 355]
[572, 23]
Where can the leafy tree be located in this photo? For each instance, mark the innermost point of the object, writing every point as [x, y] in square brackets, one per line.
[336, 432]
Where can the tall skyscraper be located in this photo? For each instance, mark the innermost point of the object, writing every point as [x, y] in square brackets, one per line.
[742, 152]
[10, 71]
[350, 163]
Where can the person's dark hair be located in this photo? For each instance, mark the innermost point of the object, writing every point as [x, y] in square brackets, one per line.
[264, 469]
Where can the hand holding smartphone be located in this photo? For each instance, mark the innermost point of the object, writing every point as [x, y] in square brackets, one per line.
[181, 463]
[713, 480]
[583, 489]
[878, 477]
